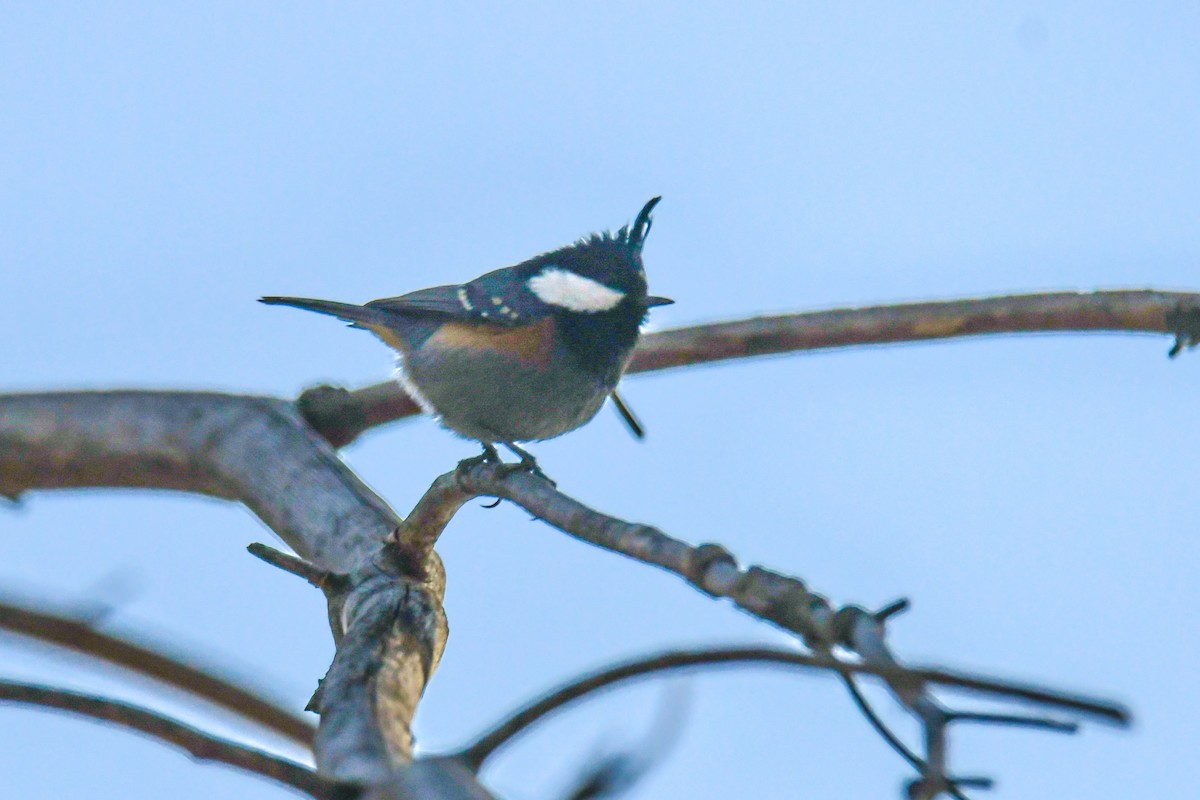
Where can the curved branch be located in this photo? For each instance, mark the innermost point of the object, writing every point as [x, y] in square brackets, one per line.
[200, 745]
[342, 416]
[483, 747]
[256, 450]
[82, 637]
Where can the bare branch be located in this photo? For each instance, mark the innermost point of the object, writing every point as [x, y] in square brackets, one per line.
[779, 599]
[175, 670]
[200, 745]
[419, 532]
[294, 565]
[256, 450]
[1143, 311]
[342, 416]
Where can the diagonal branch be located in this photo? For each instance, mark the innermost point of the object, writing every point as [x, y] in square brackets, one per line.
[342, 416]
[767, 595]
[200, 745]
[174, 670]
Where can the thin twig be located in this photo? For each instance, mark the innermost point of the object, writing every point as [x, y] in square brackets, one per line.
[887, 734]
[291, 564]
[616, 773]
[156, 662]
[342, 416]
[1015, 720]
[200, 745]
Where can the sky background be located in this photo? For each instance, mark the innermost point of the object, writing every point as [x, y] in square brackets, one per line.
[162, 166]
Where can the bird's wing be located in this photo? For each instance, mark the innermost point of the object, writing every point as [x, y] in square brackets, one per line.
[499, 298]
[444, 300]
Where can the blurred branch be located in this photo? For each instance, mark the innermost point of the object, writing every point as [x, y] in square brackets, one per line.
[487, 744]
[342, 416]
[200, 745]
[174, 670]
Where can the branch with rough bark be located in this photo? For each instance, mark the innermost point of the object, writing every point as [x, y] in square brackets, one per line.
[767, 595]
[390, 627]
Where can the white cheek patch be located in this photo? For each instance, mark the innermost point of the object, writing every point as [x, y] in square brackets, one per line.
[565, 289]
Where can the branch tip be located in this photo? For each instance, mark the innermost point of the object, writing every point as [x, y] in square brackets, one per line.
[320, 578]
[334, 412]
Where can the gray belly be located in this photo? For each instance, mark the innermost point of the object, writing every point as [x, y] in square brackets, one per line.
[491, 398]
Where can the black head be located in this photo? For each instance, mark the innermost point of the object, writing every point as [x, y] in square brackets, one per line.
[597, 289]
[597, 275]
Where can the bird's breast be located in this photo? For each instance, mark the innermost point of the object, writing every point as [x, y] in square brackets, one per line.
[531, 346]
[507, 384]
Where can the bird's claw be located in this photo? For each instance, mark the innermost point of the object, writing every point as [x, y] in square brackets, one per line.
[488, 456]
[527, 464]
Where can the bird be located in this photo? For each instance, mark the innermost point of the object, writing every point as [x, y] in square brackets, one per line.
[522, 353]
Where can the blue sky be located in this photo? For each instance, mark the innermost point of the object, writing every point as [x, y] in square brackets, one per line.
[164, 166]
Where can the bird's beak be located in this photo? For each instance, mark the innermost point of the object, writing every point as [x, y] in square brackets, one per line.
[651, 302]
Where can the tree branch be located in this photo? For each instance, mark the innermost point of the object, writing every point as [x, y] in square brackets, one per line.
[261, 452]
[255, 450]
[487, 744]
[342, 416]
[386, 583]
[174, 670]
[767, 595]
[200, 745]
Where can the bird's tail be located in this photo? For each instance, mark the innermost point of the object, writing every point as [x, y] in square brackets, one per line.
[356, 315]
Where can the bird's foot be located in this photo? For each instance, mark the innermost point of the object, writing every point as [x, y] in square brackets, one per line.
[527, 463]
[488, 456]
